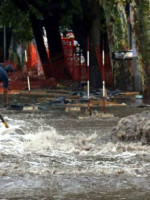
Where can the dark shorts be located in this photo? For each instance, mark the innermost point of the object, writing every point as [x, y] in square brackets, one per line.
[4, 77]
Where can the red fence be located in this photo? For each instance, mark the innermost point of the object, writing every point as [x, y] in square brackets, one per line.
[73, 65]
[76, 69]
[57, 69]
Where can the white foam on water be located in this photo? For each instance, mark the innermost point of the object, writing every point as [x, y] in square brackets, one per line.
[50, 141]
[12, 138]
[106, 158]
[77, 153]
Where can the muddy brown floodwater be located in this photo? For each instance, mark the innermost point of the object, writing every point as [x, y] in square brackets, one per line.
[56, 155]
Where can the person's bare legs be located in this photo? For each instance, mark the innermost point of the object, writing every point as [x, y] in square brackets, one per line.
[5, 92]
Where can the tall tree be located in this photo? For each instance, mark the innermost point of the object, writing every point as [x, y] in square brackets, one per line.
[50, 11]
[87, 25]
[38, 21]
[13, 20]
[141, 26]
[117, 31]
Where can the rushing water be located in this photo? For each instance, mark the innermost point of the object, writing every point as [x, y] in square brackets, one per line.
[49, 155]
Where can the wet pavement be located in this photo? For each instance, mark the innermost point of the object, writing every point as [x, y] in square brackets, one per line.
[53, 154]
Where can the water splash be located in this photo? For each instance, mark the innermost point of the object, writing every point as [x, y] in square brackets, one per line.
[41, 153]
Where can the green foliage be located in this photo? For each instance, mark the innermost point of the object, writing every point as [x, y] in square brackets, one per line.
[116, 23]
[11, 16]
[19, 22]
[68, 10]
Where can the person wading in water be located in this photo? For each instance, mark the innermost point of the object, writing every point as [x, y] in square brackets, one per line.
[4, 78]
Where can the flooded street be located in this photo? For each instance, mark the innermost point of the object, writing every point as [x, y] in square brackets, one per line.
[51, 154]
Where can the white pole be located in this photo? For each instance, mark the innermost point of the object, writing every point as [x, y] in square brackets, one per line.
[103, 57]
[103, 60]
[28, 80]
[88, 82]
[103, 77]
[26, 58]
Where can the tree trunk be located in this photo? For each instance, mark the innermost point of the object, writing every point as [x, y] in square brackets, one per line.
[55, 67]
[95, 50]
[38, 35]
[141, 26]
[57, 59]
[81, 33]
[54, 40]
[117, 31]
[89, 26]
